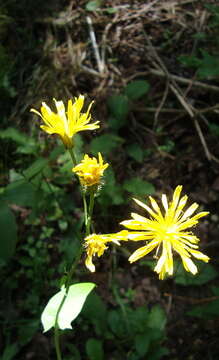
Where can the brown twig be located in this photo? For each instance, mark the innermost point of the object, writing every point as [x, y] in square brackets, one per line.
[185, 81]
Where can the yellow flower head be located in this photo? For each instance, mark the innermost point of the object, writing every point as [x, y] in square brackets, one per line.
[96, 244]
[167, 230]
[66, 124]
[90, 170]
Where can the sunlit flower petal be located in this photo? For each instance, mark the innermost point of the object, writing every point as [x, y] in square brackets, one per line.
[66, 125]
[96, 245]
[166, 232]
[90, 170]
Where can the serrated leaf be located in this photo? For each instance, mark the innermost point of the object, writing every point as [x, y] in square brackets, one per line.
[71, 308]
[136, 89]
[94, 349]
[206, 273]
[105, 143]
[139, 187]
[8, 229]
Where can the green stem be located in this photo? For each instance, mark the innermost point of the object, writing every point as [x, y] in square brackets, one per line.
[67, 285]
[87, 219]
[90, 213]
[71, 152]
[57, 345]
[85, 208]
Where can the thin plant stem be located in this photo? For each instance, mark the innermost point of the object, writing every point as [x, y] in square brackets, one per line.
[87, 219]
[90, 213]
[85, 208]
[57, 346]
[71, 152]
[67, 285]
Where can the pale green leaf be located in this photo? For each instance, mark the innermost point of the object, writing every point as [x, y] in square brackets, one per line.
[93, 5]
[71, 308]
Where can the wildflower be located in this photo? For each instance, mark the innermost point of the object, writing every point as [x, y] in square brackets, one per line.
[90, 170]
[66, 124]
[167, 231]
[96, 244]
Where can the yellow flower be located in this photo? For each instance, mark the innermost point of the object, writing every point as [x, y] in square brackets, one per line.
[90, 170]
[96, 244]
[66, 124]
[168, 231]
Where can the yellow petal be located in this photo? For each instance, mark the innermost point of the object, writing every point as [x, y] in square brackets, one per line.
[189, 265]
[89, 264]
[142, 251]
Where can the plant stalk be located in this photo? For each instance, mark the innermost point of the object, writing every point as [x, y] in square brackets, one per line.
[87, 219]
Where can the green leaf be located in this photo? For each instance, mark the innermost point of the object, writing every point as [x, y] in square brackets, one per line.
[157, 318]
[208, 311]
[111, 10]
[119, 108]
[27, 144]
[116, 323]
[214, 129]
[189, 60]
[205, 274]
[35, 168]
[95, 311]
[136, 89]
[20, 193]
[111, 193]
[209, 67]
[158, 353]
[139, 187]
[105, 144]
[142, 342]
[93, 5]
[10, 352]
[72, 307]
[27, 330]
[94, 349]
[8, 229]
[136, 152]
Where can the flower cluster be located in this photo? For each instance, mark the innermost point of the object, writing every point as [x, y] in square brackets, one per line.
[165, 231]
[66, 124]
[97, 244]
[90, 170]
